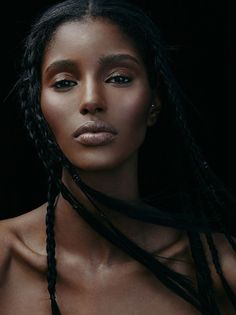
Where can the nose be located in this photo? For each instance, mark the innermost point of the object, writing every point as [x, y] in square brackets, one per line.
[92, 100]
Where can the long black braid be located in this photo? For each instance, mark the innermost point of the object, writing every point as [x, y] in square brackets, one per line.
[37, 131]
[207, 183]
[51, 245]
[209, 189]
[204, 281]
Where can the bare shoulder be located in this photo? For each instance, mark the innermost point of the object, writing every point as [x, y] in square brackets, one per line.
[6, 241]
[227, 260]
[22, 237]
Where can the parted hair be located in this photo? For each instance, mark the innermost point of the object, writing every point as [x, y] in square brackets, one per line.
[202, 205]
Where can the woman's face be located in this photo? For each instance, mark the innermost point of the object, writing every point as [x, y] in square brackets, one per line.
[92, 76]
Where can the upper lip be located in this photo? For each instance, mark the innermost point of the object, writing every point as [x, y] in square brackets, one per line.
[93, 127]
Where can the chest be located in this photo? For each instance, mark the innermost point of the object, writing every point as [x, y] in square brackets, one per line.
[101, 293]
[104, 293]
[129, 293]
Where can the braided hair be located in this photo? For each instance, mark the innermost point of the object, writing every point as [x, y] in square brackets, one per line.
[207, 198]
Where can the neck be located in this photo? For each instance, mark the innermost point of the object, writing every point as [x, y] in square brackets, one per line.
[121, 182]
[83, 241]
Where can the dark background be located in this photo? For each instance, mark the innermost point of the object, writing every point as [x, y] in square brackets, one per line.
[204, 64]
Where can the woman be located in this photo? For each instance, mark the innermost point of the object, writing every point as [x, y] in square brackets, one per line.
[95, 80]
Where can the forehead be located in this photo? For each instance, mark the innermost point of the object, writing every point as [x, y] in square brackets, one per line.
[88, 38]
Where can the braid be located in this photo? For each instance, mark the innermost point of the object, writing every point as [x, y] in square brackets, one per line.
[51, 244]
[39, 133]
[204, 280]
[211, 194]
[215, 259]
[204, 176]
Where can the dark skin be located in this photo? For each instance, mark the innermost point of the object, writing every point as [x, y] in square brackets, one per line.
[94, 277]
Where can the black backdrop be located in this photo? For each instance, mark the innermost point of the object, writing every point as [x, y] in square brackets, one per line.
[203, 63]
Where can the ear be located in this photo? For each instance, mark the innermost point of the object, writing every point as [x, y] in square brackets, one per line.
[154, 110]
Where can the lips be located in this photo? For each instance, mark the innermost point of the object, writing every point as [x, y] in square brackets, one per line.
[95, 133]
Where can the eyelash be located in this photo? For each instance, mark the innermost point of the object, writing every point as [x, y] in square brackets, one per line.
[64, 84]
[124, 77]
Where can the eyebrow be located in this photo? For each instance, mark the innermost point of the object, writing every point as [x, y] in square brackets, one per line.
[104, 61]
[114, 58]
[60, 64]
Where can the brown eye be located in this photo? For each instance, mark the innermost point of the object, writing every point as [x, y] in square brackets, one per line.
[64, 84]
[119, 79]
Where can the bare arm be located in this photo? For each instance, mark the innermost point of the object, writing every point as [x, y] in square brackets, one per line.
[5, 250]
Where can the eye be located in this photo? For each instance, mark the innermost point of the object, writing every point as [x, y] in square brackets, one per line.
[64, 84]
[119, 79]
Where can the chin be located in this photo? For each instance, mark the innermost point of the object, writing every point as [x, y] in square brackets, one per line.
[94, 165]
[101, 163]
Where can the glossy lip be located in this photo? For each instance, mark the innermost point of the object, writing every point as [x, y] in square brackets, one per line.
[95, 133]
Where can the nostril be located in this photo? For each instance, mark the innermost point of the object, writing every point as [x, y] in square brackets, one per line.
[84, 111]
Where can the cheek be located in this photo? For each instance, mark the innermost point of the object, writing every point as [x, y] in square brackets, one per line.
[133, 109]
[55, 112]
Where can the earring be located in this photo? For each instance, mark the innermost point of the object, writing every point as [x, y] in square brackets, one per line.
[153, 106]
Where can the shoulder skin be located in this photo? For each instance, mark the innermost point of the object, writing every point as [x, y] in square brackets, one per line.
[23, 239]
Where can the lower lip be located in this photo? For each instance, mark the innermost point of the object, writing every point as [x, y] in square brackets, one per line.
[94, 139]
